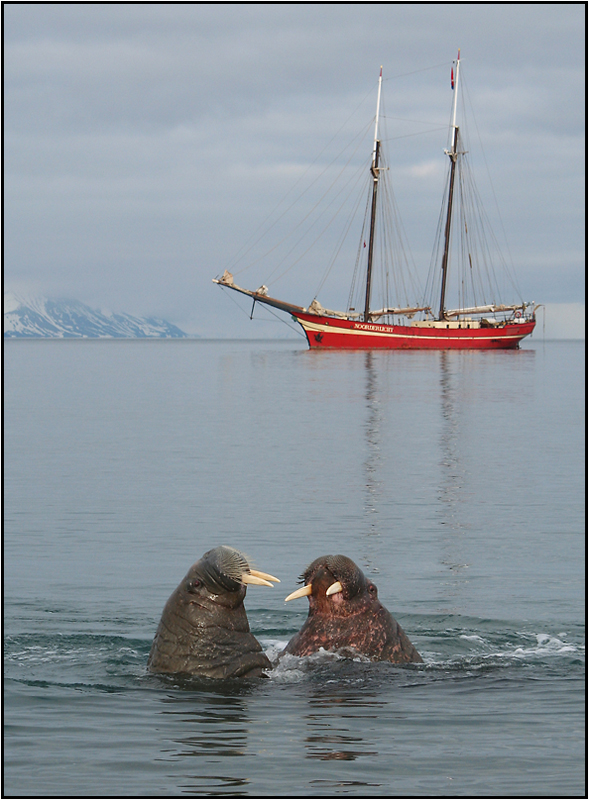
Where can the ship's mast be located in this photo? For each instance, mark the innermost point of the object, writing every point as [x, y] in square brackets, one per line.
[452, 153]
[374, 171]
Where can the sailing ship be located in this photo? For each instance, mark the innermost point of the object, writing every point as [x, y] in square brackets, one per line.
[428, 325]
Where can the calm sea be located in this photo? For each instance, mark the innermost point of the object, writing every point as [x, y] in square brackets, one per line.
[455, 480]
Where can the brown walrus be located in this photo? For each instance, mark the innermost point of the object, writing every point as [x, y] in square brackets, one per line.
[204, 629]
[346, 615]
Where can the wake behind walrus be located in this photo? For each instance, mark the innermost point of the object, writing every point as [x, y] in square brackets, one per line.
[346, 615]
[204, 630]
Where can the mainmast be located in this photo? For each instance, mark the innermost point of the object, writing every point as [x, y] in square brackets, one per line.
[374, 171]
[452, 153]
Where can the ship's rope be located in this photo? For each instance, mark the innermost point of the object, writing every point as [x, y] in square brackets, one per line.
[352, 185]
[507, 265]
[266, 308]
[476, 261]
[416, 71]
[340, 243]
[397, 265]
[419, 133]
[266, 226]
[241, 253]
[284, 321]
[303, 221]
[351, 302]
[434, 279]
[476, 265]
[394, 271]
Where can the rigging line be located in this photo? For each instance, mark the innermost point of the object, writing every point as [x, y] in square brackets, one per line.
[269, 228]
[419, 133]
[359, 136]
[403, 239]
[415, 71]
[351, 301]
[280, 319]
[433, 283]
[328, 166]
[233, 260]
[304, 253]
[311, 211]
[478, 237]
[343, 238]
[239, 253]
[233, 300]
[416, 121]
[511, 270]
[267, 308]
[356, 178]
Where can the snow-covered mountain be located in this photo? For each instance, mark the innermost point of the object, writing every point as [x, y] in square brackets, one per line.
[35, 317]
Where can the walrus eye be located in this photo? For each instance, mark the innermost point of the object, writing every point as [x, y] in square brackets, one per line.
[372, 588]
[192, 585]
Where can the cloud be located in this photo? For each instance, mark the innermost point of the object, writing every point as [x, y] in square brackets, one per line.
[426, 169]
[144, 143]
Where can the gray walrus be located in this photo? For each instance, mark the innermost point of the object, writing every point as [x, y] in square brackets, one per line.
[345, 614]
[204, 629]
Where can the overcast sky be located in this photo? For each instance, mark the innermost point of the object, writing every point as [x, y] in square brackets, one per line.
[144, 143]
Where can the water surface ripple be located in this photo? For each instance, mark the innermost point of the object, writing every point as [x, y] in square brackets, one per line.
[456, 482]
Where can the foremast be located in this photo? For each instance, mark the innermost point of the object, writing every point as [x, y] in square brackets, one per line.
[375, 174]
[453, 155]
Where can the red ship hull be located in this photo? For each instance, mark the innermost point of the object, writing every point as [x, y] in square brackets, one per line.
[342, 334]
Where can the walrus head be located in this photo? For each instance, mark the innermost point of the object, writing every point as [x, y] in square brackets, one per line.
[346, 615]
[204, 628]
[335, 587]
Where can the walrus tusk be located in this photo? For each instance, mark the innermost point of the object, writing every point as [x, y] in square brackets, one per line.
[302, 592]
[334, 588]
[247, 577]
[264, 575]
